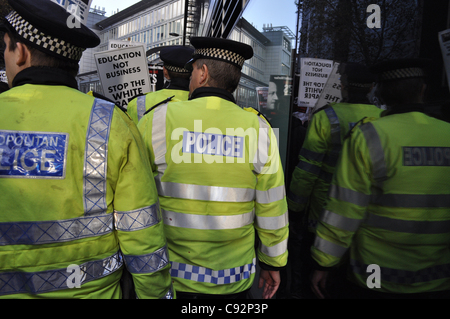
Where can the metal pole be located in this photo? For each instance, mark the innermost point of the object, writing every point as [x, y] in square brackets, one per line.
[186, 9]
[294, 67]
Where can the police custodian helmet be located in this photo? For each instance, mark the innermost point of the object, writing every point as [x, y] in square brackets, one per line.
[175, 58]
[44, 25]
[225, 50]
[400, 69]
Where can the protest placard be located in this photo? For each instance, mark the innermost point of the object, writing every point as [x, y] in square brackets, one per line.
[313, 77]
[156, 77]
[78, 8]
[3, 77]
[118, 44]
[123, 73]
[332, 90]
[444, 41]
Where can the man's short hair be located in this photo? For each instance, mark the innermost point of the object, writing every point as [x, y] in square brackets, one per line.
[178, 75]
[223, 75]
[405, 91]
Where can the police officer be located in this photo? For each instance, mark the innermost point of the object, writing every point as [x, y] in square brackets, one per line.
[317, 160]
[72, 171]
[388, 205]
[220, 180]
[177, 89]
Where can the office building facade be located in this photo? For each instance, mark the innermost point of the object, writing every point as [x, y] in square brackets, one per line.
[161, 23]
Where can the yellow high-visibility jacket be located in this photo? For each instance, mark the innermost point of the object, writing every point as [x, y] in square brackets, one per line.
[318, 156]
[76, 203]
[389, 204]
[219, 177]
[138, 106]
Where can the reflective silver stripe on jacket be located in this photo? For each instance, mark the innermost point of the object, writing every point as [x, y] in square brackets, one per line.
[408, 226]
[96, 158]
[146, 264]
[406, 277]
[262, 153]
[169, 294]
[47, 232]
[329, 247]
[140, 106]
[159, 142]
[272, 223]
[207, 222]
[412, 200]
[376, 153]
[275, 250]
[308, 167]
[54, 280]
[207, 275]
[271, 195]
[207, 193]
[311, 155]
[335, 130]
[348, 195]
[137, 219]
[341, 222]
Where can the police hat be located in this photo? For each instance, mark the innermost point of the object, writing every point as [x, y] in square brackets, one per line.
[356, 75]
[220, 49]
[45, 25]
[175, 58]
[401, 69]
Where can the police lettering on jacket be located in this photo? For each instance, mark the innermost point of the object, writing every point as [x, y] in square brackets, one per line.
[33, 154]
[426, 156]
[213, 144]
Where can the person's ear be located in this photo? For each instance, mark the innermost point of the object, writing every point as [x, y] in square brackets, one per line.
[23, 55]
[166, 73]
[204, 75]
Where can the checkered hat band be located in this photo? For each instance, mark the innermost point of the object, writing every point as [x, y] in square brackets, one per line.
[33, 35]
[360, 85]
[175, 69]
[221, 54]
[402, 74]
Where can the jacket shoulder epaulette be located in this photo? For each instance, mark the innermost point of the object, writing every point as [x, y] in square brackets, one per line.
[362, 121]
[326, 106]
[158, 104]
[258, 113]
[102, 97]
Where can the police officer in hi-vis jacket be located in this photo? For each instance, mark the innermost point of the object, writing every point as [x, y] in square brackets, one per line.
[220, 181]
[388, 207]
[77, 198]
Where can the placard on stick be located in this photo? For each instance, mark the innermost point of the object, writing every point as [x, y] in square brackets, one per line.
[332, 90]
[123, 73]
[313, 77]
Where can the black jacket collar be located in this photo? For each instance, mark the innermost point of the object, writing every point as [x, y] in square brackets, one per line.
[178, 84]
[209, 91]
[400, 109]
[44, 76]
[427, 109]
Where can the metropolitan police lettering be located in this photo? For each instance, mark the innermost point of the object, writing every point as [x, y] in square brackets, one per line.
[33, 154]
[426, 156]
